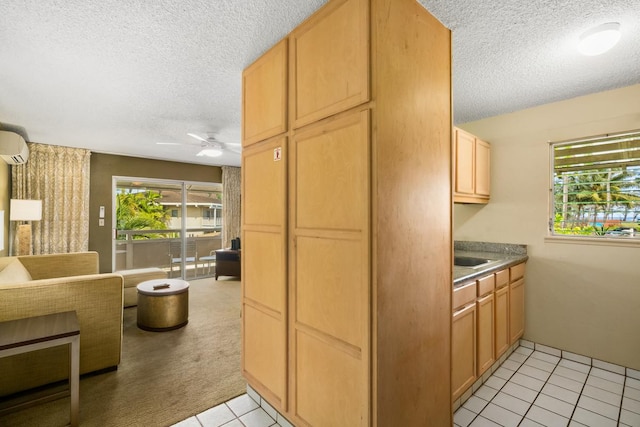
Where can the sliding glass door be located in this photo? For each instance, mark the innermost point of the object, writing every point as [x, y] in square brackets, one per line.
[172, 225]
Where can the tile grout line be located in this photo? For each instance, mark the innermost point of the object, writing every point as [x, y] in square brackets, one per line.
[624, 384]
[505, 383]
[581, 391]
[524, 417]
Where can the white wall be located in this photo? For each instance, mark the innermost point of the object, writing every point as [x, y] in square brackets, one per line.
[580, 298]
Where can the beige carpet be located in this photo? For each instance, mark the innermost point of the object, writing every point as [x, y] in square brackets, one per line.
[164, 377]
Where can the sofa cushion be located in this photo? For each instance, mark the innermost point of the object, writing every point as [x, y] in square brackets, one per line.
[14, 273]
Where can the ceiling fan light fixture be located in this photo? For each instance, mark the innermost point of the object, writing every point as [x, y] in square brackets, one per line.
[600, 39]
[210, 152]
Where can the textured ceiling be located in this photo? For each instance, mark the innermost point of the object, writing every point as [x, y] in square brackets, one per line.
[119, 77]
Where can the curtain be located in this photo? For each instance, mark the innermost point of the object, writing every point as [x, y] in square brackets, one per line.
[231, 185]
[59, 176]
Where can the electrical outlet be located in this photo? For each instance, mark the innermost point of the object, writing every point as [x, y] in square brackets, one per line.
[101, 222]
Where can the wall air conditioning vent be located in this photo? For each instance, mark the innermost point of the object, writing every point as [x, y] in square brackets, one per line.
[13, 149]
[18, 159]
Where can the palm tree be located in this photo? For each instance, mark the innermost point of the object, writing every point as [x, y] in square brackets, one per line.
[595, 191]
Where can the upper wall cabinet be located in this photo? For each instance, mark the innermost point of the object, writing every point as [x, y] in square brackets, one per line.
[330, 62]
[472, 158]
[264, 102]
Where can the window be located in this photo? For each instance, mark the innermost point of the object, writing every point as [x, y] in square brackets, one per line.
[596, 187]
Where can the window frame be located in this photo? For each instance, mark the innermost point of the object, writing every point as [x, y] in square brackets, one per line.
[606, 239]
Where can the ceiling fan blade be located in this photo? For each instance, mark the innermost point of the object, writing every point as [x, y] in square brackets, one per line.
[198, 137]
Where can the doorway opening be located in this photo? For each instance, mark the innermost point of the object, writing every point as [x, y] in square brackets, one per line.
[172, 225]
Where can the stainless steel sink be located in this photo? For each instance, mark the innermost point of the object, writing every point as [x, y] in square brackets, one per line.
[468, 261]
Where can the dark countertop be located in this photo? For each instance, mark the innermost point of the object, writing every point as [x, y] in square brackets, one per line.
[502, 256]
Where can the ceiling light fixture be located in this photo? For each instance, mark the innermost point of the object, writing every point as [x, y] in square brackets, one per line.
[599, 39]
[210, 152]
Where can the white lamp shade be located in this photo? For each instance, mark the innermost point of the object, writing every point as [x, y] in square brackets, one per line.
[25, 210]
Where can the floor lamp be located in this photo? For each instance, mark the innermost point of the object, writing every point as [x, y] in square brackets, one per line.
[25, 210]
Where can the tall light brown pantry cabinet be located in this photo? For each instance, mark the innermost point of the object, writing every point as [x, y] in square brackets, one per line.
[346, 198]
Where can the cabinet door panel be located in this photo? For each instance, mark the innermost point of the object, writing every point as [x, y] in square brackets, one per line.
[463, 350]
[483, 168]
[465, 165]
[264, 276]
[264, 91]
[264, 184]
[332, 174]
[330, 384]
[485, 344]
[502, 321]
[263, 354]
[330, 289]
[330, 61]
[516, 309]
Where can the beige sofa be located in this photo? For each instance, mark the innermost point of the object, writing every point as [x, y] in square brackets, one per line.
[61, 282]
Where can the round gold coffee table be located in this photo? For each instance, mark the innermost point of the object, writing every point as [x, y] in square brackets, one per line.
[163, 304]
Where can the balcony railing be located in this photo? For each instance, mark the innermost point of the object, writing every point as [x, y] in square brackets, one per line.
[160, 248]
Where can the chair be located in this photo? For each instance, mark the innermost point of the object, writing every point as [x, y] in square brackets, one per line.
[228, 263]
[175, 255]
[209, 259]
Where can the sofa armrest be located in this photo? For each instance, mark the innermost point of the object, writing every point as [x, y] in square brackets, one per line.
[97, 301]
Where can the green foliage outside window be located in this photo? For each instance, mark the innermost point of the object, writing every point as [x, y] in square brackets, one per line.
[141, 211]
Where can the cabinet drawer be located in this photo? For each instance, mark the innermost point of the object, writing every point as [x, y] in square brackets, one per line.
[486, 285]
[502, 278]
[463, 295]
[516, 272]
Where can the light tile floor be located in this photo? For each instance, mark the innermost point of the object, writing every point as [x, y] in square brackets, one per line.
[535, 388]
[531, 388]
[242, 411]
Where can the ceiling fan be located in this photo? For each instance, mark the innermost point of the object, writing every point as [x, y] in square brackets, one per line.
[211, 146]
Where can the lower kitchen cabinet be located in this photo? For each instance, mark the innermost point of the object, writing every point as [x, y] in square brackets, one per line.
[501, 311]
[516, 301]
[486, 325]
[501, 321]
[516, 309]
[485, 346]
[463, 351]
